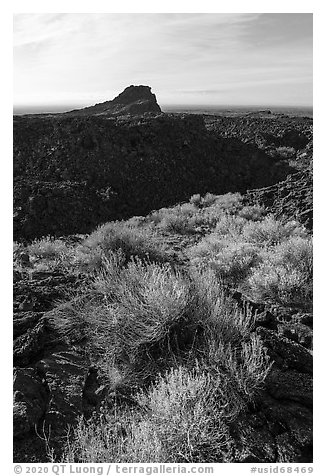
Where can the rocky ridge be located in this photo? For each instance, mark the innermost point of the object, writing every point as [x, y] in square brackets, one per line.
[72, 173]
[265, 130]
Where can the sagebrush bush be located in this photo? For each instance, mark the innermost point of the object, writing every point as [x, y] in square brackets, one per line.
[47, 248]
[187, 412]
[245, 367]
[145, 301]
[131, 241]
[229, 202]
[214, 311]
[264, 252]
[178, 347]
[285, 275]
[183, 416]
[180, 219]
[132, 312]
[230, 226]
[286, 152]
[146, 314]
[232, 260]
[208, 199]
[195, 200]
[175, 223]
[270, 231]
[205, 211]
[252, 212]
[178, 419]
[234, 263]
[119, 435]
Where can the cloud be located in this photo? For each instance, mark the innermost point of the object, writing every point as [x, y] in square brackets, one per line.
[99, 54]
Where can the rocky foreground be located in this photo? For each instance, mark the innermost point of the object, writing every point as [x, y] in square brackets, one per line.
[55, 383]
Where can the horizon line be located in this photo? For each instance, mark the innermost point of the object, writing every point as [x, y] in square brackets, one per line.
[65, 107]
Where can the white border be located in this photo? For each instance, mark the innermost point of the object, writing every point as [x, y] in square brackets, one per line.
[173, 6]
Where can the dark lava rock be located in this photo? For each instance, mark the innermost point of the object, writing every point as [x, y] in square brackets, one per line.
[30, 346]
[55, 208]
[48, 392]
[262, 317]
[43, 290]
[264, 129]
[290, 385]
[291, 198]
[285, 353]
[305, 318]
[29, 400]
[65, 373]
[33, 333]
[279, 427]
[297, 332]
[23, 321]
[72, 173]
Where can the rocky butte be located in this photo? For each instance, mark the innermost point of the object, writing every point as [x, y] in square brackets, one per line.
[133, 100]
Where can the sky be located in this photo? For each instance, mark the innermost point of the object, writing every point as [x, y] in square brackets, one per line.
[187, 59]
